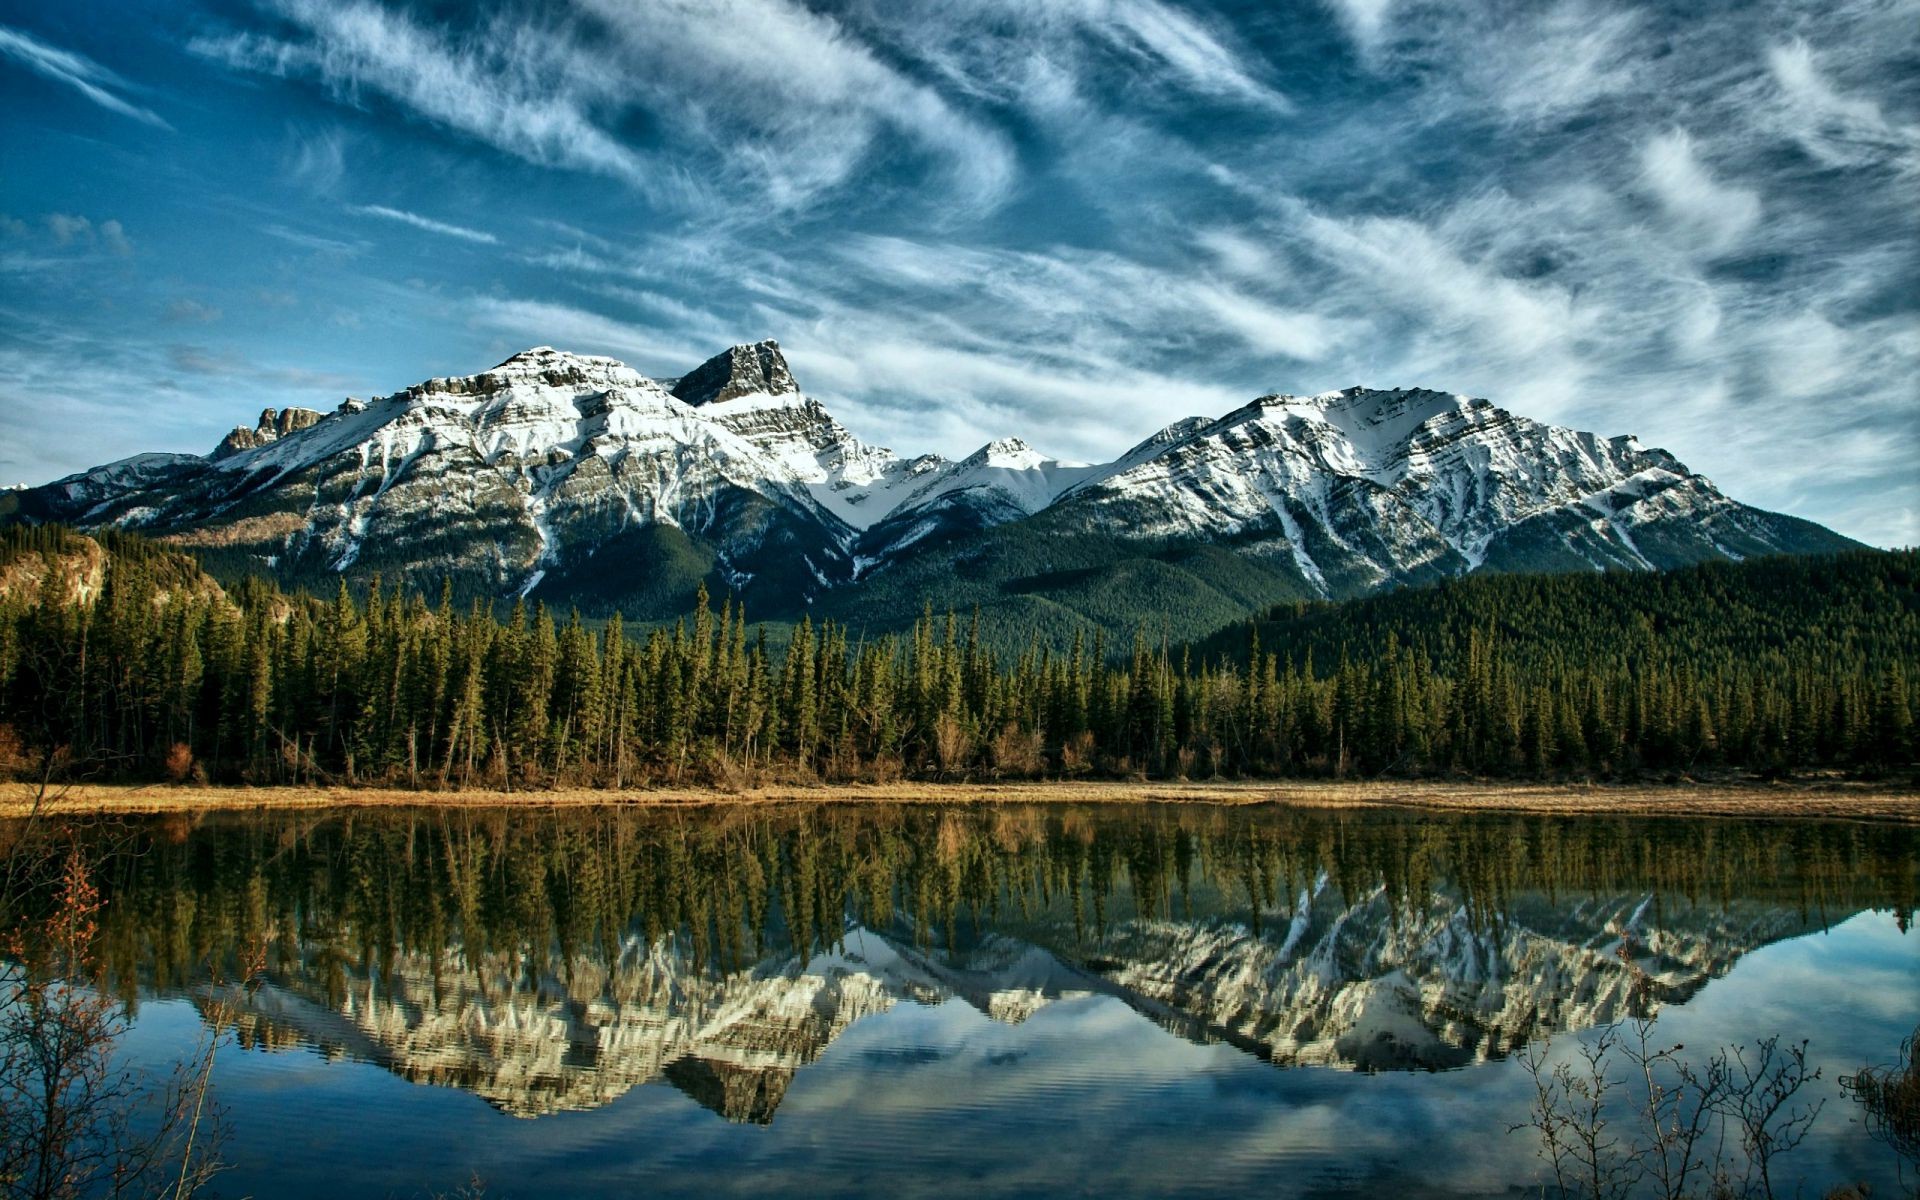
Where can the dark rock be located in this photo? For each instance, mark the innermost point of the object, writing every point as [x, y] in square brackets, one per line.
[240, 439]
[740, 371]
[293, 420]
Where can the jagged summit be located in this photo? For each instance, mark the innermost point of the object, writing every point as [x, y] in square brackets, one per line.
[757, 369]
[272, 425]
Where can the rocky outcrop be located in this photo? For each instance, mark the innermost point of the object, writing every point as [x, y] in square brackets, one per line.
[756, 370]
[272, 425]
[76, 569]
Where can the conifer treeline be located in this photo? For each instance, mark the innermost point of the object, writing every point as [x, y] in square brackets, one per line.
[155, 676]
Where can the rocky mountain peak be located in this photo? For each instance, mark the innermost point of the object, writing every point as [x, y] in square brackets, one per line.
[999, 448]
[758, 369]
[272, 425]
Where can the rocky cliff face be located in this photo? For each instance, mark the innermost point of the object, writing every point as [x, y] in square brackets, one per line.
[271, 425]
[577, 479]
[756, 370]
[1326, 982]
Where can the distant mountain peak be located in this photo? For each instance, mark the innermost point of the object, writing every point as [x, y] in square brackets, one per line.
[747, 370]
[541, 358]
[1009, 452]
[531, 354]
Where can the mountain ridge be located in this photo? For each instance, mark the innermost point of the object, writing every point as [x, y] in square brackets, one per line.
[577, 479]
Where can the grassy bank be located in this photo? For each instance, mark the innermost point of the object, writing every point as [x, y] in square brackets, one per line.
[1836, 800]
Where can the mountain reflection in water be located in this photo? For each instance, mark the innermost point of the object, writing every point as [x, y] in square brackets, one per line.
[551, 960]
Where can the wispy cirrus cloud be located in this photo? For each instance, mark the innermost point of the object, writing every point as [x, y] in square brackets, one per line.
[443, 228]
[797, 108]
[505, 86]
[1839, 129]
[78, 72]
[1718, 214]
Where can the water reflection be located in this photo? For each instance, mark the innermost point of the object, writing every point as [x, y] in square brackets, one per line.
[556, 960]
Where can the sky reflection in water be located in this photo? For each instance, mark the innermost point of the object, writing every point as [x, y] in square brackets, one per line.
[1127, 1053]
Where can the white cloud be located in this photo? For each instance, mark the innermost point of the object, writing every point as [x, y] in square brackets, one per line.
[1530, 65]
[1199, 55]
[1837, 129]
[71, 230]
[333, 247]
[184, 310]
[76, 71]
[67, 229]
[801, 103]
[505, 87]
[427, 223]
[526, 323]
[1268, 328]
[1715, 214]
[1365, 20]
[1409, 266]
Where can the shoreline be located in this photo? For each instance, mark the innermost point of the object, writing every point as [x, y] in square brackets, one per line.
[1849, 801]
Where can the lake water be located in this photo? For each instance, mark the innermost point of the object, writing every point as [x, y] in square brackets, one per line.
[984, 1001]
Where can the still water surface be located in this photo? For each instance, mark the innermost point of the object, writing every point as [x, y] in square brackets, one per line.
[1007, 1001]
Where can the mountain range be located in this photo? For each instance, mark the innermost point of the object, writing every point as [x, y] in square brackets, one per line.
[576, 480]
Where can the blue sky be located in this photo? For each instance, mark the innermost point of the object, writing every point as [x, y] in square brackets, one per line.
[1071, 220]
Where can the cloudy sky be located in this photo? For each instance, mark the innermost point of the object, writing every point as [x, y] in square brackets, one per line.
[1073, 220]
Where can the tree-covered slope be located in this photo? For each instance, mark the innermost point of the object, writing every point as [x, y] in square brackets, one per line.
[1857, 606]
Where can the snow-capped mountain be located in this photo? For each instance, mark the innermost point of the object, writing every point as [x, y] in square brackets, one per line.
[1362, 487]
[577, 479]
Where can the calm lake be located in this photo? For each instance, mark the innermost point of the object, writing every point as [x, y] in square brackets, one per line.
[1142, 1001]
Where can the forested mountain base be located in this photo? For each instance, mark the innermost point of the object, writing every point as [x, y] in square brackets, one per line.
[132, 664]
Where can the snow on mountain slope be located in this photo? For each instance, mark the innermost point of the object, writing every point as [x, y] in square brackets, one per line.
[1359, 487]
[1014, 471]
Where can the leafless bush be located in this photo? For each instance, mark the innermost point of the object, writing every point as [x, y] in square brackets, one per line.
[1076, 755]
[1667, 1126]
[1017, 752]
[71, 1116]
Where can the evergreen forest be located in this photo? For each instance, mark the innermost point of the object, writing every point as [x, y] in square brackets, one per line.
[121, 659]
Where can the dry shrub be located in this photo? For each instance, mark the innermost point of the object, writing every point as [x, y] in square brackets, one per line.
[13, 753]
[952, 744]
[1890, 1098]
[179, 762]
[1017, 752]
[1187, 757]
[843, 763]
[1076, 756]
[884, 768]
[725, 774]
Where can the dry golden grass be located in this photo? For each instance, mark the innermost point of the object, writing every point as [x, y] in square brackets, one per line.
[1837, 800]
